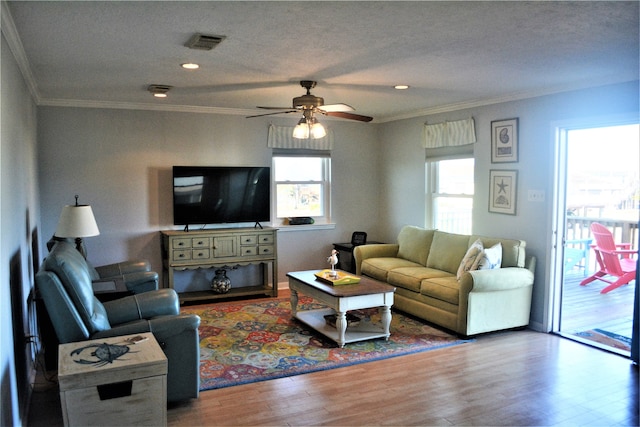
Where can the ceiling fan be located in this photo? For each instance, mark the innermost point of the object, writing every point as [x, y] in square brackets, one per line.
[309, 105]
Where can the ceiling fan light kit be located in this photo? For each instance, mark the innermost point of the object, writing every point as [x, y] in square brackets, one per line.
[308, 126]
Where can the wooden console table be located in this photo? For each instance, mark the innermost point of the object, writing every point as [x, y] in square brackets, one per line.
[217, 248]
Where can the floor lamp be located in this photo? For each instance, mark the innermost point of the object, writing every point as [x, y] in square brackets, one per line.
[77, 221]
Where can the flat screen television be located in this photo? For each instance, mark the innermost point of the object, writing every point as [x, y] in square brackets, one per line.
[218, 195]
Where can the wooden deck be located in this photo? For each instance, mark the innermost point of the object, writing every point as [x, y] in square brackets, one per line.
[585, 308]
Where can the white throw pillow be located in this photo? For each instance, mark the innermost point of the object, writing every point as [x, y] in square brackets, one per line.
[491, 258]
[470, 258]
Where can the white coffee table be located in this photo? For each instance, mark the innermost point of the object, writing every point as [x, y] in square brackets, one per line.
[369, 293]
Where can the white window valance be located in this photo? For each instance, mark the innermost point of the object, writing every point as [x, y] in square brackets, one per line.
[450, 134]
[282, 137]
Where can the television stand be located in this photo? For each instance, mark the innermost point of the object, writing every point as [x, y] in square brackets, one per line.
[258, 225]
[217, 248]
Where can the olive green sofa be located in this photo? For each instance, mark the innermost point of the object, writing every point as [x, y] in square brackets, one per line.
[423, 266]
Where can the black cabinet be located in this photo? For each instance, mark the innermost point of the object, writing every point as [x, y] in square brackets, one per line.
[345, 256]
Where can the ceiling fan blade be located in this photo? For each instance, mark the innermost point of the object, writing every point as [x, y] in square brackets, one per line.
[271, 114]
[275, 108]
[336, 108]
[350, 116]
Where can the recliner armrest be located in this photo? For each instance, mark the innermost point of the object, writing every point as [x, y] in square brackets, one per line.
[161, 327]
[142, 306]
[142, 281]
[137, 275]
[121, 268]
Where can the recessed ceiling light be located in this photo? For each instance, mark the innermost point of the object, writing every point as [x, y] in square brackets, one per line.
[160, 95]
[401, 87]
[190, 66]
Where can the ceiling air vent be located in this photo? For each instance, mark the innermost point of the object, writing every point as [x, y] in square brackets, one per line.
[204, 42]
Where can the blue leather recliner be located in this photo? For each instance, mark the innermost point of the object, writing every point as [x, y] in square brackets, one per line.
[135, 274]
[64, 283]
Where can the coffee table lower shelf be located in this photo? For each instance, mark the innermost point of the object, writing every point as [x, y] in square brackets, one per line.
[360, 332]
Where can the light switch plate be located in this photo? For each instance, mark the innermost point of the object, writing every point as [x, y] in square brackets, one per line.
[536, 195]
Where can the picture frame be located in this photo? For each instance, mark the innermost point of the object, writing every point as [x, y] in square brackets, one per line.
[503, 191]
[504, 141]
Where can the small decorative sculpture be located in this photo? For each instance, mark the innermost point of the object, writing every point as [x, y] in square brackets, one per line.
[333, 260]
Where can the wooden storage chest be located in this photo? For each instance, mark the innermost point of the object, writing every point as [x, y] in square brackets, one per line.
[111, 381]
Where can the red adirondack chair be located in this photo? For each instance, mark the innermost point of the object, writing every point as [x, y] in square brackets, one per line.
[614, 260]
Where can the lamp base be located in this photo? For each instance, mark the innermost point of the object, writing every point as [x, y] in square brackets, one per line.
[81, 247]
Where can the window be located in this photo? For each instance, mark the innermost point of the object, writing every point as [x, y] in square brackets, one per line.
[450, 186]
[302, 186]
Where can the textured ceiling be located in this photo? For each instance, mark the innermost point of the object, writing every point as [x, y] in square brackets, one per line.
[451, 53]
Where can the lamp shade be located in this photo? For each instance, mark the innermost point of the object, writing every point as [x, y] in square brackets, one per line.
[77, 221]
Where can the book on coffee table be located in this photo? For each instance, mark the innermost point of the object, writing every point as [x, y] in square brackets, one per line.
[341, 277]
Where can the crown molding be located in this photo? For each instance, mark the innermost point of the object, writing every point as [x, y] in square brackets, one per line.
[79, 103]
[76, 103]
[10, 32]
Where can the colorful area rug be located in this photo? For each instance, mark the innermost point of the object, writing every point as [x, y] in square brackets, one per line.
[250, 341]
[607, 338]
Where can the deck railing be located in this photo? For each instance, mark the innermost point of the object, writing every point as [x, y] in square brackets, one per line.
[624, 231]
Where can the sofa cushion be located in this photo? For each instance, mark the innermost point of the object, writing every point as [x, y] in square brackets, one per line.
[442, 288]
[447, 250]
[490, 258]
[513, 251]
[378, 268]
[414, 244]
[469, 260]
[411, 277]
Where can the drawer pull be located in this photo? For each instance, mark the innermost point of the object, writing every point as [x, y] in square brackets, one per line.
[181, 256]
[180, 243]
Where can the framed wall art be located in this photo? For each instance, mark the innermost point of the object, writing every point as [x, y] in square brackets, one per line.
[504, 141]
[503, 191]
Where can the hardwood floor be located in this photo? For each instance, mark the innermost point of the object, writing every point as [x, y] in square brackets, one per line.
[515, 378]
[511, 378]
